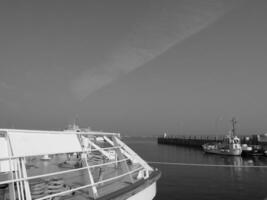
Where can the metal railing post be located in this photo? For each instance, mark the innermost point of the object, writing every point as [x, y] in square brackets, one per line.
[124, 165]
[26, 182]
[92, 189]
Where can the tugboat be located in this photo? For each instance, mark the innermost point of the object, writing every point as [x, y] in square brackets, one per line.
[229, 146]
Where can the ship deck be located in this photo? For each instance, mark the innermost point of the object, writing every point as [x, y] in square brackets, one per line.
[123, 185]
[54, 165]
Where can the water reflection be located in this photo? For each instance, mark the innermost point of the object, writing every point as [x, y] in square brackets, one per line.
[204, 183]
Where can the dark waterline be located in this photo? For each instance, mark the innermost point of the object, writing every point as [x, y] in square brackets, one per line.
[202, 183]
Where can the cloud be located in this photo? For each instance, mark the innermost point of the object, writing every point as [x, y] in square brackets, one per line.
[166, 24]
[4, 85]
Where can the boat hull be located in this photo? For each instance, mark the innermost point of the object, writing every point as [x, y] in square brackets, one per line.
[144, 189]
[148, 193]
[252, 153]
[236, 152]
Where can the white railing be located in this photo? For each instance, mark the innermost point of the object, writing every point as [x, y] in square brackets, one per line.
[92, 133]
[123, 154]
[61, 172]
[36, 155]
[19, 180]
[91, 185]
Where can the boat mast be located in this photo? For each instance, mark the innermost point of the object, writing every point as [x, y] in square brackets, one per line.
[233, 124]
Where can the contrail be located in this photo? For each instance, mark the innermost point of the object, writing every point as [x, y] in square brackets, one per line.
[166, 24]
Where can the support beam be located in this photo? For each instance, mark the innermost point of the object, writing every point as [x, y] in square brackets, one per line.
[134, 155]
[124, 165]
[122, 150]
[11, 186]
[92, 189]
[99, 149]
[19, 183]
[26, 182]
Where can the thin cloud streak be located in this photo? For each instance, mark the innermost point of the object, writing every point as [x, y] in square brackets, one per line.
[165, 25]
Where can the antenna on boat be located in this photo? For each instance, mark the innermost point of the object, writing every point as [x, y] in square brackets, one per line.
[234, 122]
[75, 122]
[74, 126]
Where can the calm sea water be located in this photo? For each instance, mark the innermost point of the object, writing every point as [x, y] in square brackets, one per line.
[202, 183]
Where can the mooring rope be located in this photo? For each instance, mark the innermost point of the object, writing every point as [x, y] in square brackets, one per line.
[205, 165]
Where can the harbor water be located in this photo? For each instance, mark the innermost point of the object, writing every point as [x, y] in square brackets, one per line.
[202, 183]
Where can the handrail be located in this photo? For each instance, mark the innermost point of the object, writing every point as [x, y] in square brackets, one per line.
[92, 150]
[90, 185]
[96, 133]
[86, 151]
[62, 172]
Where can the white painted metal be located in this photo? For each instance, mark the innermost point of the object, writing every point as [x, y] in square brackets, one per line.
[59, 132]
[100, 149]
[19, 193]
[34, 154]
[90, 185]
[90, 176]
[25, 143]
[147, 194]
[123, 151]
[12, 166]
[62, 172]
[26, 181]
[4, 164]
[134, 155]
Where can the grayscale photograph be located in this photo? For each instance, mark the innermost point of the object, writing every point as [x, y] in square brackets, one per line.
[133, 100]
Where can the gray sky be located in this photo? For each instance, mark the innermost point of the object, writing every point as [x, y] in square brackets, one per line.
[137, 67]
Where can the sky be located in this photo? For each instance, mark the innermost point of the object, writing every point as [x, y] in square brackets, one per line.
[140, 67]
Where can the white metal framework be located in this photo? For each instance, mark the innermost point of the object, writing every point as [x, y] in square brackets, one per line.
[96, 158]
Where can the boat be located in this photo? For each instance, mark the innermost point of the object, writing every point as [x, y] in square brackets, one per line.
[45, 157]
[252, 150]
[81, 167]
[246, 150]
[230, 144]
